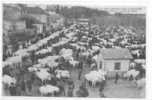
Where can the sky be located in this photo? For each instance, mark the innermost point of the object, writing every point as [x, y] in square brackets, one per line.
[112, 10]
[41, 6]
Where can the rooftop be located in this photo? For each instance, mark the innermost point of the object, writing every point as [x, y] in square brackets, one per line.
[34, 10]
[118, 53]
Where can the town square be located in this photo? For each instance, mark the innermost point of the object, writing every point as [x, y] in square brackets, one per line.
[73, 51]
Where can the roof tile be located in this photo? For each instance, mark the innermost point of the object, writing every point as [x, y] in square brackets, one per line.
[116, 53]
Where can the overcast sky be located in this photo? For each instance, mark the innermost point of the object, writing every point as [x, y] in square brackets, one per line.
[131, 10]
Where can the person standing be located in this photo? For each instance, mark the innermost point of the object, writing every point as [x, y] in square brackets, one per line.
[78, 53]
[62, 89]
[12, 89]
[29, 85]
[18, 90]
[71, 84]
[79, 75]
[82, 91]
[61, 85]
[101, 88]
[80, 69]
[101, 94]
[130, 78]
[70, 92]
[23, 87]
[116, 78]
[89, 60]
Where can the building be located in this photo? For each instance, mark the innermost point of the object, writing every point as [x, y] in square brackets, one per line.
[33, 24]
[11, 10]
[37, 13]
[39, 27]
[83, 21]
[14, 25]
[114, 60]
[11, 19]
[55, 20]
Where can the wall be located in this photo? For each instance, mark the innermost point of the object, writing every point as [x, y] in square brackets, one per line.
[39, 28]
[109, 65]
[11, 12]
[7, 25]
[20, 25]
[40, 17]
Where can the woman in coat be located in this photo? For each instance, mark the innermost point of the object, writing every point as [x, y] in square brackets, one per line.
[82, 92]
[12, 89]
[70, 92]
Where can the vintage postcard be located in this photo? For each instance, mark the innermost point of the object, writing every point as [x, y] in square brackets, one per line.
[59, 50]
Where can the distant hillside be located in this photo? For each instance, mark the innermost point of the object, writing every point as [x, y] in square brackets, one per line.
[137, 21]
[101, 17]
[77, 11]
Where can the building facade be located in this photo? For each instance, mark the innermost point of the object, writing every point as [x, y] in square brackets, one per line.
[11, 18]
[114, 61]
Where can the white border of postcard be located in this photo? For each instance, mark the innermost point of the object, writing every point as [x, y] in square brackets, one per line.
[96, 3]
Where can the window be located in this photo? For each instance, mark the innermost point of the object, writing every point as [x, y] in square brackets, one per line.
[117, 66]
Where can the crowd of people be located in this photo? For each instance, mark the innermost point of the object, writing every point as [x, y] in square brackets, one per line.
[43, 67]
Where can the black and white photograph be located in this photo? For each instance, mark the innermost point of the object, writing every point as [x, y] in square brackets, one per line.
[57, 50]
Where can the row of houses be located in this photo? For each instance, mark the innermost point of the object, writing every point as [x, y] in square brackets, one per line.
[21, 17]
